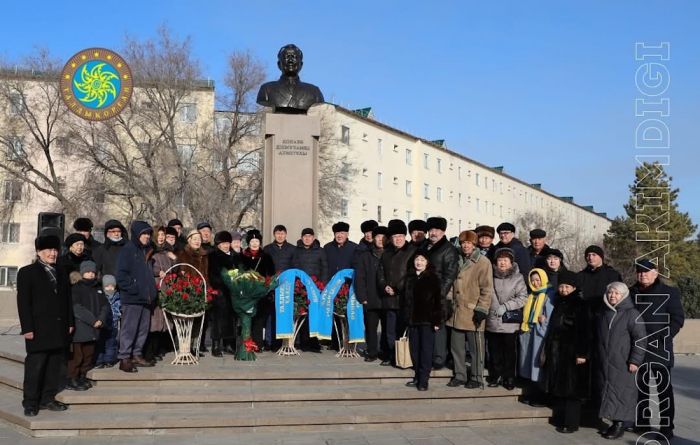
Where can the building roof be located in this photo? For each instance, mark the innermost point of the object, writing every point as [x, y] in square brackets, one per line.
[440, 145]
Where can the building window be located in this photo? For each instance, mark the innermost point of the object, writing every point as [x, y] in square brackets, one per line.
[477, 205]
[439, 165]
[13, 190]
[364, 137]
[16, 104]
[477, 179]
[379, 213]
[9, 233]
[8, 276]
[186, 152]
[396, 148]
[426, 191]
[459, 172]
[439, 194]
[500, 211]
[459, 199]
[486, 182]
[364, 172]
[425, 161]
[16, 149]
[425, 216]
[344, 134]
[364, 206]
[408, 216]
[396, 180]
[409, 157]
[380, 148]
[409, 185]
[380, 180]
[188, 112]
[344, 208]
[493, 185]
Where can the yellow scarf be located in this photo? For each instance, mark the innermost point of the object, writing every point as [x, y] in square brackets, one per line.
[535, 301]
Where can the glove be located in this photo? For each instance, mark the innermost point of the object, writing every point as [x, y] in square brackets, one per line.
[501, 310]
[478, 317]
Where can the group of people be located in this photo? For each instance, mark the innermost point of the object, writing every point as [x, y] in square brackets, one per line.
[570, 339]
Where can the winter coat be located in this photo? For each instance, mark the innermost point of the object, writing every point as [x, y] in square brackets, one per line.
[218, 262]
[394, 267]
[161, 262]
[91, 246]
[44, 308]
[567, 338]
[311, 260]
[531, 339]
[106, 255]
[258, 261]
[620, 342]
[423, 300]
[522, 256]
[133, 272]
[71, 262]
[115, 304]
[472, 291]
[445, 260]
[593, 283]
[339, 257]
[281, 255]
[366, 284]
[662, 311]
[195, 258]
[538, 259]
[89, 305]
[489, 252]
[508, 288]
[554, 276]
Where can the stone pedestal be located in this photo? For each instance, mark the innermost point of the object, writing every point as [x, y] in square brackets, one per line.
[290, 192]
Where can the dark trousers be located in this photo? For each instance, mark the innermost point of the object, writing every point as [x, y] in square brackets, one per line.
[306, 342]
[422, 341]
[136, 319]
[567, 412]
[372, 317]
[389, 334]
[81, 357]
[442, 343]
[42, 377]
[107, 346]
[502, 352]
[221, 325]
[259, 321]
[666, 407]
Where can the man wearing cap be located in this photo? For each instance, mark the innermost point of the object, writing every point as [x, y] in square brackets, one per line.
[366, 227]
[137, 290]
[280, 250]
[661, 308]
[105, 255]
[71, 260]
[46, 318]
[506, 233]
[393, 269]
[417, 230]
[595, 277]
[311, 258]
[445, 258]
[204, 229]
[221, 315]
[340, 252]
[367, 290]
[181, 241]
[538, 248]
[485, 235]
[84, 227]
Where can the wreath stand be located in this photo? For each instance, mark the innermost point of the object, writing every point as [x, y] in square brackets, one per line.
[288, 347]
[183, 324]
[347, 350]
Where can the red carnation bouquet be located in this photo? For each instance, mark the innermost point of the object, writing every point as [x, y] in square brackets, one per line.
[301, 296]
[340, 302]
[183, 294]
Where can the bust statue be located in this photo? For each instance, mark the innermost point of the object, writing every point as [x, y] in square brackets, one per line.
[289, 94]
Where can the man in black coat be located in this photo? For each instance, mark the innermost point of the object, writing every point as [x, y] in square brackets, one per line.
[181, 240]
[221, 315]
[46, 318]
[485, 236]
[84, 227]
[595, 278]
[367, 290]
[417, 229]
[137, 290]
[538, 248]
[366, 227]
[205, 231]
[105, 255]
[662, 311]
[340, 252]
[391, 277]
[506, 233]
[309, 256]
[445, 259]
[280, 250]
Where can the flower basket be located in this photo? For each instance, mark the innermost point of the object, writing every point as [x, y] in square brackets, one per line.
[347, 349]
[246, 288]
[301, 314]
[184, 300]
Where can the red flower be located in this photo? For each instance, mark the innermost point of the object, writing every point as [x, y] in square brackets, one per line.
[169, 292]
[185, 296]
[250, 345]
[210, 298]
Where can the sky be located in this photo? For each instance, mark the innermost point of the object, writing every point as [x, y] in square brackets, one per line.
[544, 88]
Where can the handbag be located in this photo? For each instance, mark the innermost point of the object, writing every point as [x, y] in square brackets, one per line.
[402, 352]
[514, 316]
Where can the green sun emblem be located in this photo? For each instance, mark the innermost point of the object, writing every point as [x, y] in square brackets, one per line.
[96, 84]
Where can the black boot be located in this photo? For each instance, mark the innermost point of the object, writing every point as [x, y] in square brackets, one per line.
[216, 348]
[615, 431]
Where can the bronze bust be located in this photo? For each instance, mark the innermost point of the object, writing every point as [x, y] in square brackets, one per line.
[289, 94]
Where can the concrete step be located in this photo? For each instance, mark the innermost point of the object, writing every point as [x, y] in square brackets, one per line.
[244, 393]
[11, 374]
[211, 417]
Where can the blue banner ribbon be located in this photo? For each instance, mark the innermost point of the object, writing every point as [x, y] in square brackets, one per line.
[284, 303]
[354, 313]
